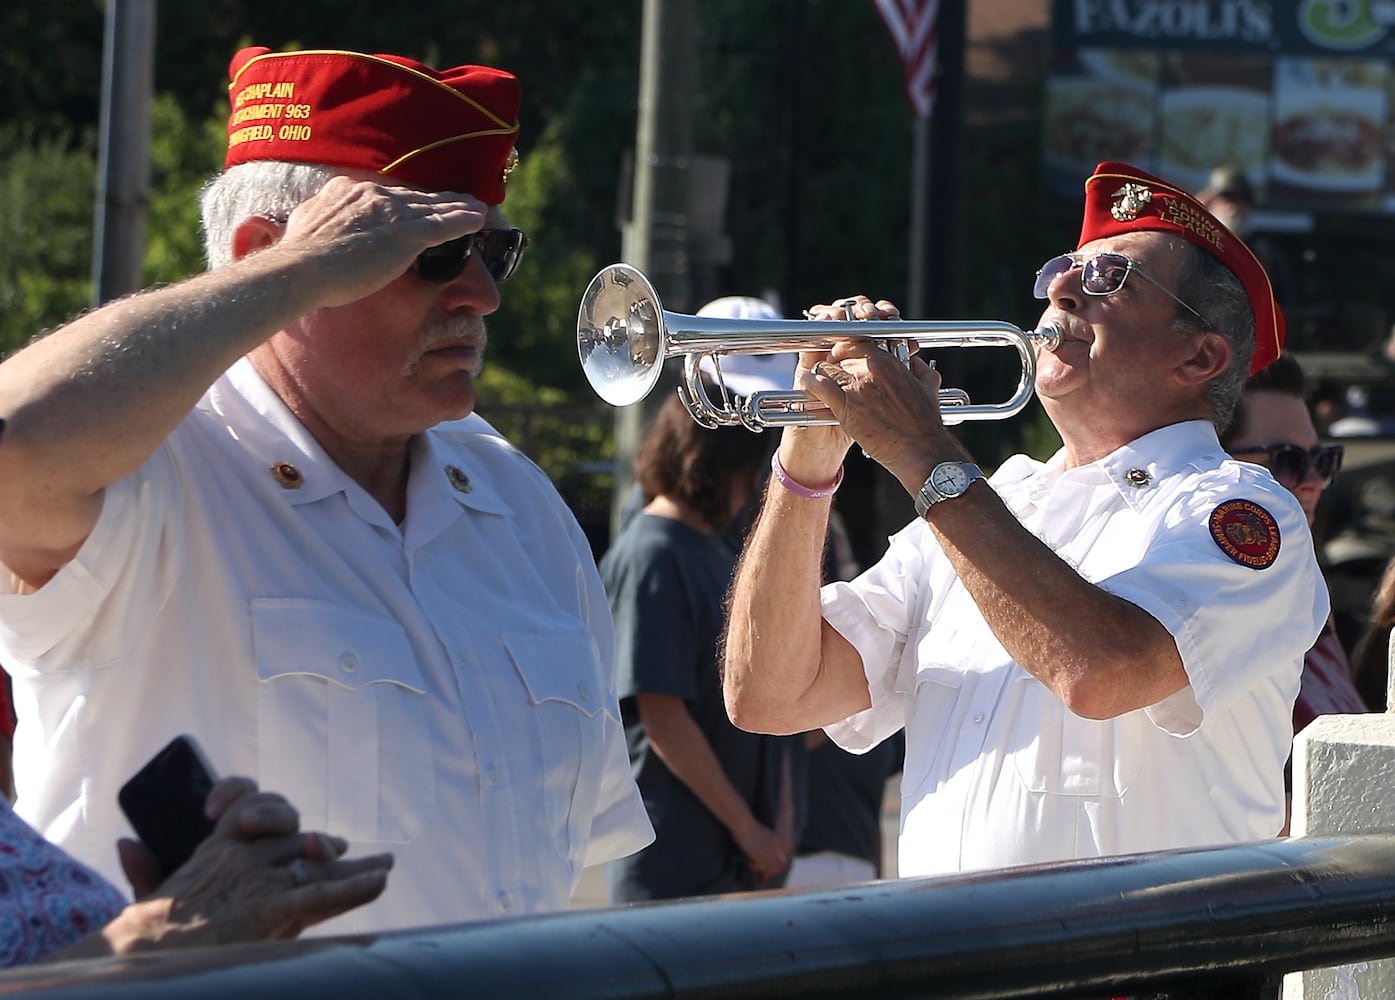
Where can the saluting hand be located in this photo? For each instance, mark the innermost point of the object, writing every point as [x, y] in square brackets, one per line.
[368, 234]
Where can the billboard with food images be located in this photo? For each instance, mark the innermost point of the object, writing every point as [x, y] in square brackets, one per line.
[1297, 93]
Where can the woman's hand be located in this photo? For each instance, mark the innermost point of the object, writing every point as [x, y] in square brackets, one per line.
[257, 877]
[767, 851]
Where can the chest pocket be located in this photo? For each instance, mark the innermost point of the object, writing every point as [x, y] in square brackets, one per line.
[937, 692]
[1056, 752]
[570, 711]
[344, 731]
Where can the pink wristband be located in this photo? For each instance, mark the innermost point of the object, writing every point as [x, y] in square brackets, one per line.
[799, 489]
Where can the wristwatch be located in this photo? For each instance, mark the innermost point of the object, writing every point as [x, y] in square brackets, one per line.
[947, 481]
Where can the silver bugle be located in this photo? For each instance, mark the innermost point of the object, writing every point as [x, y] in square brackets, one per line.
[624, 335]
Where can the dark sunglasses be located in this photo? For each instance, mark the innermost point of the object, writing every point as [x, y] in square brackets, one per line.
[499, 249]
[1101, 274]
[1290, 464]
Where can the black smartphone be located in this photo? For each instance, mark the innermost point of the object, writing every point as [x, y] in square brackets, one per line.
[164, 802]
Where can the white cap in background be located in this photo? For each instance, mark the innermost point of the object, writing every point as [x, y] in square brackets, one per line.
[748, 373]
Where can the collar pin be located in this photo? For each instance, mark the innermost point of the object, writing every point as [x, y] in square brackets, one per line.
[287, 475]
[458, 479]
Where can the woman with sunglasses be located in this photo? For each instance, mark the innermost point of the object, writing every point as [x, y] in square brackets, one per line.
[1273, 428]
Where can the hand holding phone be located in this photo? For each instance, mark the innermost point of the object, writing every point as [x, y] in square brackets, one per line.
[164, 802]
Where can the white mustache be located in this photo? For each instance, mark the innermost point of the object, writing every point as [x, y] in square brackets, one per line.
[452, 330]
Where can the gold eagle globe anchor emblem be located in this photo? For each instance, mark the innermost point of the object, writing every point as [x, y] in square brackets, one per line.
[1129, 200]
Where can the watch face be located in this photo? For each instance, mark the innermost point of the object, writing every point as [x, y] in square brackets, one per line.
[950, 478]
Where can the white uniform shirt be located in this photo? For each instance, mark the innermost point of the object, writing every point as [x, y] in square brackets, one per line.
[442, 689]
[998, 771]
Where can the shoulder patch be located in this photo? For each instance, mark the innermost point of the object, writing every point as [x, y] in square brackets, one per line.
[1246, 532]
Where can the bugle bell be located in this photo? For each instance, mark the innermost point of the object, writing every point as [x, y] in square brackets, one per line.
[624, 335]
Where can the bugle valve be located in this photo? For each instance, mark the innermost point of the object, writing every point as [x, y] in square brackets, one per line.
[624, 336]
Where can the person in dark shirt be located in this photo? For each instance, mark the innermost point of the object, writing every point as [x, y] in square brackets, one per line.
[724, 803]
[842, 839]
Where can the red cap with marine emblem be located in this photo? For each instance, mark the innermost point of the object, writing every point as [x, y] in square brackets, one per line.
[1120, 198]
[452, 130]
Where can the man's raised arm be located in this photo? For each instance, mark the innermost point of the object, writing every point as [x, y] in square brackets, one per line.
[787, 670]
[87, 404]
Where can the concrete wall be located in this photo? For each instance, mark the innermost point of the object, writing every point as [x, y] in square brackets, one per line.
[1343, 776]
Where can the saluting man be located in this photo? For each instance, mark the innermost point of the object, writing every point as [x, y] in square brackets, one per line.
[249, 507]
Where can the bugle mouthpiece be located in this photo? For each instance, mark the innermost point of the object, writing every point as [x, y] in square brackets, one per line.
[1047, 335]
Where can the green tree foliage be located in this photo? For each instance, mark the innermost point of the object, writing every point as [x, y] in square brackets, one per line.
[534, 331]
[184, 153]
[46, 207]
[50, 66]
[47, 211]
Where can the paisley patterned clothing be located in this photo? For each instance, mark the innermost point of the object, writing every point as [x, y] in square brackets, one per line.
[47, 900]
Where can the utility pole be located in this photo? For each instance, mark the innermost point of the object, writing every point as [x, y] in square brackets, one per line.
[656, 238]
[123, 167]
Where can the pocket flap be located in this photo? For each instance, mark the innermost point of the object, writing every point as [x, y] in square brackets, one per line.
[558, 666]
[342, 645]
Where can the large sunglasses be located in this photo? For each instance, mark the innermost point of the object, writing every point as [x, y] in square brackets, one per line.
[1291, 464]
[499, 249]
[1101, 274]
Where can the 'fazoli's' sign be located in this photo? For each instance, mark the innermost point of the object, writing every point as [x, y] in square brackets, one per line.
[1274, 27]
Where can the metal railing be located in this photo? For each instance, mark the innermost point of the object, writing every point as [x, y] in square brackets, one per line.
[1201, 923]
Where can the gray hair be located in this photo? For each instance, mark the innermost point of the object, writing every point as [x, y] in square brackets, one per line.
[1213, 290]
[268, 188]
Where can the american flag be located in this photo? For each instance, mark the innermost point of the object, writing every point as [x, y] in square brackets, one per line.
[914, 27]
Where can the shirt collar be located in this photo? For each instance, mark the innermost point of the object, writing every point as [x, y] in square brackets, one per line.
[1138, 467]
[270, 433]
[450, 464]
[1135, 469]
[445, 468]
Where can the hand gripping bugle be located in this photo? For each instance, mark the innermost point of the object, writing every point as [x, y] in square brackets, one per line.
[624, 336]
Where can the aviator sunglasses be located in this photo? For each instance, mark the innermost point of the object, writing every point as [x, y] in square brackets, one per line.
[1290, 464]
[499, 249]
[1101, 274]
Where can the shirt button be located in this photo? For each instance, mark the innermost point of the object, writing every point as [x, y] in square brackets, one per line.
[978, 718]
[492, 776]
[584, 690]
[504, 902]
[348, 663]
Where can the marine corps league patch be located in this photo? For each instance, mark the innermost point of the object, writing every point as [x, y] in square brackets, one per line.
[1246, 532]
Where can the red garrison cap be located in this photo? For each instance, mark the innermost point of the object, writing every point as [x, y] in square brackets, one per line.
[452, 130]
[1123, 199]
